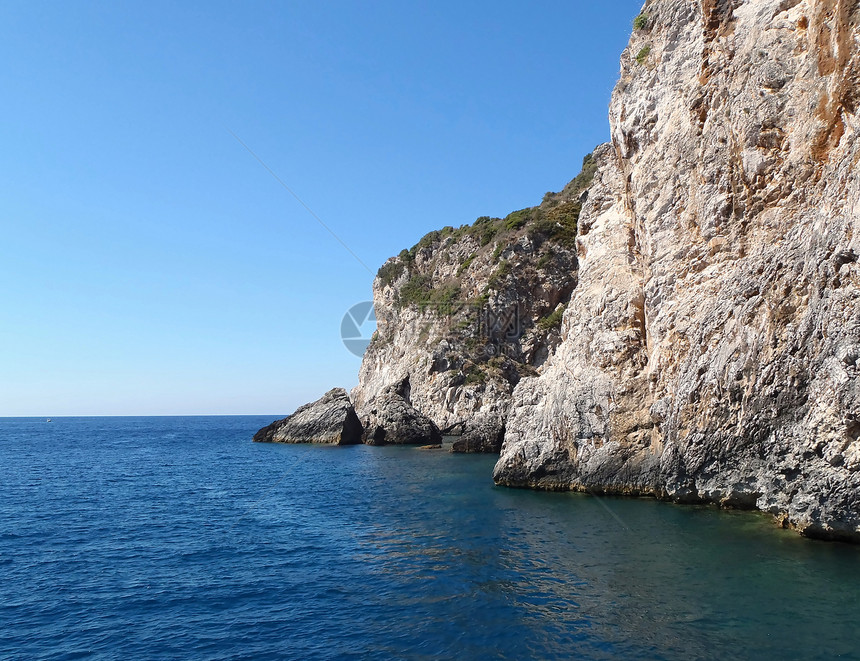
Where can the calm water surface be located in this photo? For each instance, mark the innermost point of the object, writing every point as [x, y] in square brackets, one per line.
[165, 538]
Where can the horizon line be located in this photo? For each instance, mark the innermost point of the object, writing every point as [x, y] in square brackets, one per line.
[142, 415]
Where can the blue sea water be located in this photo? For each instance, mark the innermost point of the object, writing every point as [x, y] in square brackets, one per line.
[169, 538]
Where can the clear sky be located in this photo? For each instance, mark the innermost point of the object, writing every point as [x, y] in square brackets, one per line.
[150, 265]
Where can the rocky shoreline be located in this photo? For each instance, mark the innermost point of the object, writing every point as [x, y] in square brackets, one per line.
[683, 319]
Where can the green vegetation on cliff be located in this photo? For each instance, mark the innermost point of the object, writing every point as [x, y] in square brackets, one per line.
[420, 290]
[390, 271]
[499, 275]
[554, 221]
[553, 319]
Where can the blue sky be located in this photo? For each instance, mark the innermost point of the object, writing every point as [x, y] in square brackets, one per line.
[150, 265]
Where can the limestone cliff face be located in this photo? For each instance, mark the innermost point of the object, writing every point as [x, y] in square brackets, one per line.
[710, 350]
[465, 314]
[683, 323]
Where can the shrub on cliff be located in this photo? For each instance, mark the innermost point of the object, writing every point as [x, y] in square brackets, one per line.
[484, 229]
[475, 376]
[390, 271]
[576, 187]
[545, 259]
[552, 320]
[517, 219]
[499, 275]
[558, 224]
[419, 290]
[466, 263]
[427, 241]
[416, 290]
[445, 297]
[586, 175]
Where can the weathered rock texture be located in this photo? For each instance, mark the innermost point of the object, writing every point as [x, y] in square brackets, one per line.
[392, 420]
[685, 326]
[484, 435]
[331, 420]
[468, 312]
[710, 350]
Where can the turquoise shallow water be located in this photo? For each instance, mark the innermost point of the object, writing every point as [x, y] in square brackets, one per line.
[164, 538]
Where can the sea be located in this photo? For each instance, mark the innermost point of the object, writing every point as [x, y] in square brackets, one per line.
[179, 538]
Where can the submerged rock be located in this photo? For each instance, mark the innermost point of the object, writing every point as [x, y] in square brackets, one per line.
[329, 420]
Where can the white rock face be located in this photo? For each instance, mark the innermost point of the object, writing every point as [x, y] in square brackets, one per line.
[487, 295]
[711, 348]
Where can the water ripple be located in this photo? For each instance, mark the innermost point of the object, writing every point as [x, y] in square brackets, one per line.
[164, 538]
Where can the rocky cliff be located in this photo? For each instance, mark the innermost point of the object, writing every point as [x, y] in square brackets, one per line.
[466, 313]
[685, 325]
[710, 350]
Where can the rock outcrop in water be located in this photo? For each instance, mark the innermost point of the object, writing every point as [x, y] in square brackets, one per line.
[466, 313]
[330, 420]
[484, 435]
[392, 420]
[687, 325]
[462, 317]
